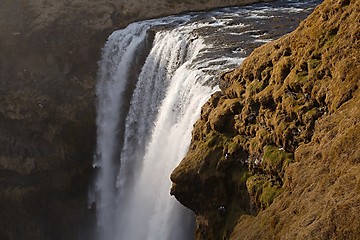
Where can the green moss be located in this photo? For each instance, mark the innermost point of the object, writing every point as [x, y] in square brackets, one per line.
[236, 90]
[311, 112]
[269, 193]
[240, 140]
[327, 38]
[302, 77]
[266, 74]
[291, 103]
[263, 189]
[240, 176]
[275, 160]
[255, 87]
[311, 115]
[231, 106]
[254, 146]
[255, 184]
[212, 139]
[233, 147]
[329, 41]
[304, 107]
[314, 63]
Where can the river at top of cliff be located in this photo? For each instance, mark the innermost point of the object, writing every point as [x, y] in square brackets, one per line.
[154, 76]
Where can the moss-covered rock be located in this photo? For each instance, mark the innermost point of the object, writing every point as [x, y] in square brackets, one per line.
[285, 160]
[275, 160]
[263, 190]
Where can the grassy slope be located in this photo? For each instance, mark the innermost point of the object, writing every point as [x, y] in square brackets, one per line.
[297, 96]
[322, 191]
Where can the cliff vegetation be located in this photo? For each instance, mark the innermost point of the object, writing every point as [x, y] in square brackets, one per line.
[276, 154]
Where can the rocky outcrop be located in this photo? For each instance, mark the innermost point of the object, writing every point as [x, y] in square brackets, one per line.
[275, 153]
[48, 63]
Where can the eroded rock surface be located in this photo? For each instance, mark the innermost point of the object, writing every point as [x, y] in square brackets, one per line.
[275, 154]
[49, 51]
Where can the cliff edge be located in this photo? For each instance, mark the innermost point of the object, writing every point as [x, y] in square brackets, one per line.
[276, 154]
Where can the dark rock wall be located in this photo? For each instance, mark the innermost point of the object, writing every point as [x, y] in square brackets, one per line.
[275, 153]
[48, 63]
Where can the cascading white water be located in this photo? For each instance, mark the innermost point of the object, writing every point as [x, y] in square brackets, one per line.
[165, 104]
[148, 202]
[113, 75]
[143, 135]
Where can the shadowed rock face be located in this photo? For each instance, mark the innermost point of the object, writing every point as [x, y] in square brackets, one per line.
[275, 154]
[48, 62]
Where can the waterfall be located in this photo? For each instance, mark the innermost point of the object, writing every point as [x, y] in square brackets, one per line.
[146, 107]
[169, 92]
[165, 104]
[168, 103]
[119, 53]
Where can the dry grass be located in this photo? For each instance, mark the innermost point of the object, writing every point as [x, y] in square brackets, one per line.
[300, 95]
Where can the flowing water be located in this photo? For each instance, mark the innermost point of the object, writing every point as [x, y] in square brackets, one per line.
[154, 76]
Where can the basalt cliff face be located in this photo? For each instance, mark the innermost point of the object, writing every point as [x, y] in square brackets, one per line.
[48, 63]
[276, 154]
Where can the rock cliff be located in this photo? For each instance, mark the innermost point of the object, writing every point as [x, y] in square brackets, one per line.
[275, 154]
[49, 51]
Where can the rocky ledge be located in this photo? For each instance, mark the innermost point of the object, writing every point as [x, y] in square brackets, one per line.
[276, 154]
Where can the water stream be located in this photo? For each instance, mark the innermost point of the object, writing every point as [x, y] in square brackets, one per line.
[145, 116]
